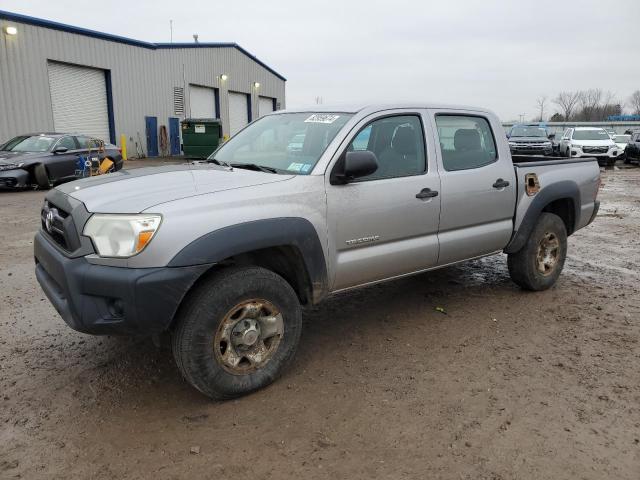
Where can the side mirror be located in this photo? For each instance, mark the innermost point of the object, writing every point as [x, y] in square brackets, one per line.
[508, 135]
[354, 165]
[552, 136]
[60, 150]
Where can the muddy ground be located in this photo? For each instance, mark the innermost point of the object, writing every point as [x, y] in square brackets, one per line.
[504, 385]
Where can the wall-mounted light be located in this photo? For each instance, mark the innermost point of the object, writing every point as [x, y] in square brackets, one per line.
[11, 30]
[256, 84]
[223, 77]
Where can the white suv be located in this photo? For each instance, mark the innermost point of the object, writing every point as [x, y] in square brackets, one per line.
[589, 142]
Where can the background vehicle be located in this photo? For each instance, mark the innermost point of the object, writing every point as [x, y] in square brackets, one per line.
[621, 142]
[529, 140]
[222, 255]
[46, 159]
[589, 142]
[632, 151]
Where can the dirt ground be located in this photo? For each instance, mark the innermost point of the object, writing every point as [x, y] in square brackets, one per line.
[504, 385]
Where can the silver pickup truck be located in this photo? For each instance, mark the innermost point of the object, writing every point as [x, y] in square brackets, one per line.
[299, 205]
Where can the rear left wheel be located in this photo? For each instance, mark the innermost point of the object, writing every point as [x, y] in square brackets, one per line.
[237, 332]
[539, 263]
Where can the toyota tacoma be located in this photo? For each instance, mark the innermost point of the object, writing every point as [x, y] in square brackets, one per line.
[222, 255]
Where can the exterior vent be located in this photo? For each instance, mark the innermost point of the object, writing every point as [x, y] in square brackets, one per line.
[178, 101]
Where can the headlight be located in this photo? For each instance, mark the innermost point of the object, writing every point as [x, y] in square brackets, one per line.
[546, 144]
[513, 144]
[573, 145]
[121, 235]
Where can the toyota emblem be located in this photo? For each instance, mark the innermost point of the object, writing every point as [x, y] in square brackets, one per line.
[48, 220]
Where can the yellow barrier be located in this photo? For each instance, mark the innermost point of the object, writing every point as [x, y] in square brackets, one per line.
[123, 146]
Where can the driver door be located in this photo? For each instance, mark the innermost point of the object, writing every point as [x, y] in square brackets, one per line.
[386, 224]
[62, 166]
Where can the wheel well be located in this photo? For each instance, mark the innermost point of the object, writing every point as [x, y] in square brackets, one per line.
[286, 261]
[565, 209]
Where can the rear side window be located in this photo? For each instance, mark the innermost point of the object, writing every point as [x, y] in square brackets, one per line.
[398, 143]
[88, 142]
[466, 142]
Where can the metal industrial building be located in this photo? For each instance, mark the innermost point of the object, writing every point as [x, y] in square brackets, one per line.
[56, 77]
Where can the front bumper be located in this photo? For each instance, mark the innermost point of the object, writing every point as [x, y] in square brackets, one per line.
[15, 178]
[104, 300]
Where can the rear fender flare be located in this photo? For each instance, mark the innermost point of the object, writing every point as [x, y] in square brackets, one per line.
[551, 193]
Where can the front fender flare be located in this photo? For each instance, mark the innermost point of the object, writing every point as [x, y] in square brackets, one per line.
[226, 242]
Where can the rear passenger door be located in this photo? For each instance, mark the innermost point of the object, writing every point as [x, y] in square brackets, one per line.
[478, 185]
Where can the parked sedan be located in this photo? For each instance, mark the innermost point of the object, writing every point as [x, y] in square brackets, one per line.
[46, 159]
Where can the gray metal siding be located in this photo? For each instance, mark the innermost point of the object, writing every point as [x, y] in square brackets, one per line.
[142, 78]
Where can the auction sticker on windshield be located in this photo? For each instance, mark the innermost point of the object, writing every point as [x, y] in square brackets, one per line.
[322, 118]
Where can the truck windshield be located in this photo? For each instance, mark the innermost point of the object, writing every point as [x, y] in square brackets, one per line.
[528, 132]
[35, 143]
[591, 135]
[287, 142]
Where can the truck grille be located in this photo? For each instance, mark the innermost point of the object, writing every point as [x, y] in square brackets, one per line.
[59, 226]
[595, 149]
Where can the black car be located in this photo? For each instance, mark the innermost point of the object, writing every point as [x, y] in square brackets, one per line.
[529, 140]
[632, 150]
[46, 159]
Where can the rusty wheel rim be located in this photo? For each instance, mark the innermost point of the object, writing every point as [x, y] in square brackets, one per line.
[248, 336]
[548, 254]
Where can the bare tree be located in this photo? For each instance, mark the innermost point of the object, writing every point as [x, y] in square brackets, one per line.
[567, 102]
[590, 102]
[634, 102]
[541, 102]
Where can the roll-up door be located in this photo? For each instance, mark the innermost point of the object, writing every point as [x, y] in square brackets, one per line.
[238, 112]
[79, 100]
[265, 105]
[202, 101]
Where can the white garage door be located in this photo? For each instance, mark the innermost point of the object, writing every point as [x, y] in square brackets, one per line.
[79, 100]
[238, 112]
[265, 105]
[202, 101]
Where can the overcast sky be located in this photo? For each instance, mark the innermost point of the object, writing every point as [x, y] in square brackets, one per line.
[498, 54]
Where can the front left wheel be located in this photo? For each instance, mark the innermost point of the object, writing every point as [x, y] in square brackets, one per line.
[237, 332]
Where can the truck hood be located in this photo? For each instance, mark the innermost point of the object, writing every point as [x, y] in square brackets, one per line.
[593, 143]
[133, 191]
[529, 139]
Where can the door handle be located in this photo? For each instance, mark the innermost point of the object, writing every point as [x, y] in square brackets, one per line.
[500, 183]
[426, 193]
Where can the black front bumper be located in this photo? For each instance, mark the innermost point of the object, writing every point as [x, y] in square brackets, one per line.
[531, 151]
[16, 178]
[104, 300]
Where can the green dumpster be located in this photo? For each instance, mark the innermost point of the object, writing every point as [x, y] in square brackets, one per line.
[200, 136]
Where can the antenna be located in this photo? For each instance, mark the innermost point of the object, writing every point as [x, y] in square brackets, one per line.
[171, 29]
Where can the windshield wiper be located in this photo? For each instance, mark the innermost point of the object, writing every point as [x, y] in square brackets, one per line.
[218, 162]
[253, 166]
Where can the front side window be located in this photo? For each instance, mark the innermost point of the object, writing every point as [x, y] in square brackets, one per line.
[289, 143]
[67, 142]
[466, 142]
[398, 144]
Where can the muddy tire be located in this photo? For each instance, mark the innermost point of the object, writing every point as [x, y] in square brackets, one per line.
[41, 177]
[539, 263]
[237, 331]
